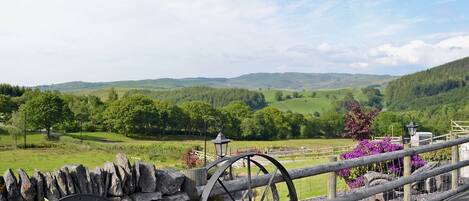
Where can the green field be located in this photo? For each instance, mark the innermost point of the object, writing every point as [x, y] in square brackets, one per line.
[324, 100]
[100, 147]
[163, 152]
[100, 93]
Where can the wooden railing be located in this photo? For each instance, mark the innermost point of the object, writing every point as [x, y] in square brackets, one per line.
[333, 167]
[393, 139]
[319, 152]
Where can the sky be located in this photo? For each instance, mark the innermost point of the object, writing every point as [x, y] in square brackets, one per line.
[55, 41]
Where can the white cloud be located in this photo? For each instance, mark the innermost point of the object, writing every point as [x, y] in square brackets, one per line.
[359, 65]
[327, 48]
[422, 53]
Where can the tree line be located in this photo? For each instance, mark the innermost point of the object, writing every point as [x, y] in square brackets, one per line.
[217, 97]
[138, 114]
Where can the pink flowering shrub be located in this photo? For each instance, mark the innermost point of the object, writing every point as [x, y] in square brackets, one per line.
[354, 176]
[190, 159]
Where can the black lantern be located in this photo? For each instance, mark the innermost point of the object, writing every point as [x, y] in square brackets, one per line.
[221, 145]
[411, 130]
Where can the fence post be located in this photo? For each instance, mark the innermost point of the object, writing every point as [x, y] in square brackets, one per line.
[194, 177]
[407, 172]
[454, 160]
[332, 181]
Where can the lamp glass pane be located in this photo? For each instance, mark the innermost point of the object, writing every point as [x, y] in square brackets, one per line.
[224, 149]
[218, 149]
[412, 130]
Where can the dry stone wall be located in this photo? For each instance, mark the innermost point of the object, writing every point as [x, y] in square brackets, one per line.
[117, 181]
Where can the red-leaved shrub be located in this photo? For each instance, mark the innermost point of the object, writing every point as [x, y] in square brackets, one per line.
[190, 159]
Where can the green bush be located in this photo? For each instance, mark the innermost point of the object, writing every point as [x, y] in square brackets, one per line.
[3, 130]
[438, 155]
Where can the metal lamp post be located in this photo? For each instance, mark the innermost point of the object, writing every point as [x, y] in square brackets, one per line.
[411, 131]
[221, 145]
[221, 148]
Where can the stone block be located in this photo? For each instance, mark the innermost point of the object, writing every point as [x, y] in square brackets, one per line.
[27, 188]
[169, 181]
[147, 180]
[11, 186]
[154, 196]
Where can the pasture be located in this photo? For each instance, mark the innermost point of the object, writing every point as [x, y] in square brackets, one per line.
[310, 101]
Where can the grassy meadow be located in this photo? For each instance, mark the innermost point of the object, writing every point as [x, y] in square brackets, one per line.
[99, 147]
[322, 101]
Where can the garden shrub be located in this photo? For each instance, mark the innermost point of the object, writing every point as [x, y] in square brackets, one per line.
[354, 176]
[190, 159]
[438, 155]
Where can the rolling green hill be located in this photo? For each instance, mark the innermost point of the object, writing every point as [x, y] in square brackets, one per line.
[443, 85]
[290, 81]
[299, 81]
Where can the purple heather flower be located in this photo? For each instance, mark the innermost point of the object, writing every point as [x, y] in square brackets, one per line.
[356, 183]
[344, 172]
[354, 176]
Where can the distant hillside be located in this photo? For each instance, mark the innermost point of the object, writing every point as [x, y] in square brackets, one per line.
[308, 80]
[443, 85]
[289, 81]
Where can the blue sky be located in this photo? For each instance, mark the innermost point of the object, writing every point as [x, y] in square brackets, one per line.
[44, 42]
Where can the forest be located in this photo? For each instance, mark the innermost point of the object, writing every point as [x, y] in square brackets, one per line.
[431, 82]
[432, 97]
[217, 97]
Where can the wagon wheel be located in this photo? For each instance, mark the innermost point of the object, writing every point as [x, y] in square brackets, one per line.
[219, 179]
[262, 169]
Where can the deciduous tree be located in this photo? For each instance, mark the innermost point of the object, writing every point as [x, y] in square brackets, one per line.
[278, 96]
[358, 122]
[46, 110]
[7, 106]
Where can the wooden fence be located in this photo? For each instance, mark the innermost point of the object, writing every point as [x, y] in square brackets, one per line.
[320, 152]
[333, 167]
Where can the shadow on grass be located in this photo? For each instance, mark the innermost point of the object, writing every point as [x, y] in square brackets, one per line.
[92, 138]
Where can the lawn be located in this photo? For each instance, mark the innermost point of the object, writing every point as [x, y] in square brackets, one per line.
[99, 147]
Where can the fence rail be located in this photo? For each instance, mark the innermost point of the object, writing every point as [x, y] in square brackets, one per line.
[322, 152]
[242, 184]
